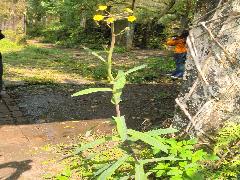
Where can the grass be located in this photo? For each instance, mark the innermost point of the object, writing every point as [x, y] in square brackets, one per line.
[39, 64]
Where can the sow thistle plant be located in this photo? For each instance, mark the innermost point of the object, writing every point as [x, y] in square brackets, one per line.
[135, 155]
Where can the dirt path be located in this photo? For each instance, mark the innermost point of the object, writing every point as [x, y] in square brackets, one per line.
[34, 116]
[22, 153]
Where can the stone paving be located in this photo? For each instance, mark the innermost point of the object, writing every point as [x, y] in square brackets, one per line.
[9, 112]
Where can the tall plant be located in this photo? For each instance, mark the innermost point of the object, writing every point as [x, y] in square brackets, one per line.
[119, 81]
[166, 157]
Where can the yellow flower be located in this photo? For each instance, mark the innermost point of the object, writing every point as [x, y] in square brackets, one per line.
[110, 20]
[131, 18]
[129, 10]
[98, 17]
[102, 8]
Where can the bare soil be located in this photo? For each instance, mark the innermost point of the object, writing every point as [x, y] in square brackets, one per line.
[143, 105]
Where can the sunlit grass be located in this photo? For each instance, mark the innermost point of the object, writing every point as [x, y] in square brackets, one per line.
[8, 46]
[37, 64]
[34, 64]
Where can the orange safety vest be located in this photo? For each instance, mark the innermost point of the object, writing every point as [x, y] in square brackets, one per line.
[180, 45]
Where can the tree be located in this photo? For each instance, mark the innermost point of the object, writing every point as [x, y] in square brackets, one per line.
[210, 92]
[12, 14]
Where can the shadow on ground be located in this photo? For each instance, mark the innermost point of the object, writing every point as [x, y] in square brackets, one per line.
[18, 167]
[143, 105]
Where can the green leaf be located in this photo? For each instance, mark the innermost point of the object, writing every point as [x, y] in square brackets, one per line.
[148, 139]
[170, 158]
[91, 90]
[160, 173]
[90, 145]
[192, 141]
[158, 132]
[198, 155]
[135, 69]
[67, 172]
[177, 177]
[175, 171]
[61, 177]
[139, 172]
[121, 127]
[118, 86]
[183, 164]
[95, 54]
[198, 176]
[102, 169]
[211, 157]
[108, 173]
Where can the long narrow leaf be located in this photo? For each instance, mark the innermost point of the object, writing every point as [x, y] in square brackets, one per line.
[139, 172]
[148, 139]
[121, 127]
[135, 69]
[91, 90]
[102, 169]
[113, 168]
[90, 145]
[145, 161]
[158, 132]
[95, 54]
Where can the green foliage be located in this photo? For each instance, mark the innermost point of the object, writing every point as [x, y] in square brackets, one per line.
[136, 69]
[90, 145]
[138, 156]
[110, 171]
[120, 49]
[139, 172]
[227, 148]
[156, 67]
[148, 139]
[118, 86]
[91, 90]
[6, 45]
[227, 136]
[121, 127]
[65, 175]
[66, 23]
[69, 23]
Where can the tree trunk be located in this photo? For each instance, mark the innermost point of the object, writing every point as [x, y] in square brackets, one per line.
[130, 36]
[210, 93]
[130, 32]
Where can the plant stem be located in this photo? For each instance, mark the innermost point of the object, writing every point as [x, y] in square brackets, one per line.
[113, 40]
[117, 106]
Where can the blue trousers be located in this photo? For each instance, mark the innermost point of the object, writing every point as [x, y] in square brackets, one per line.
[180, 60]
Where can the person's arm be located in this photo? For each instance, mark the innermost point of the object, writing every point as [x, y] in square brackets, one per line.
[1, 35]
[171, 42]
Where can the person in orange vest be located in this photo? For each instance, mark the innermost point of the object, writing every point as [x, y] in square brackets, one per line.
[1, 66]
[180, 53]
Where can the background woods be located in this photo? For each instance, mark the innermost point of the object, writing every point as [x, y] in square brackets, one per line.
[70, 22]
[13, 15]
